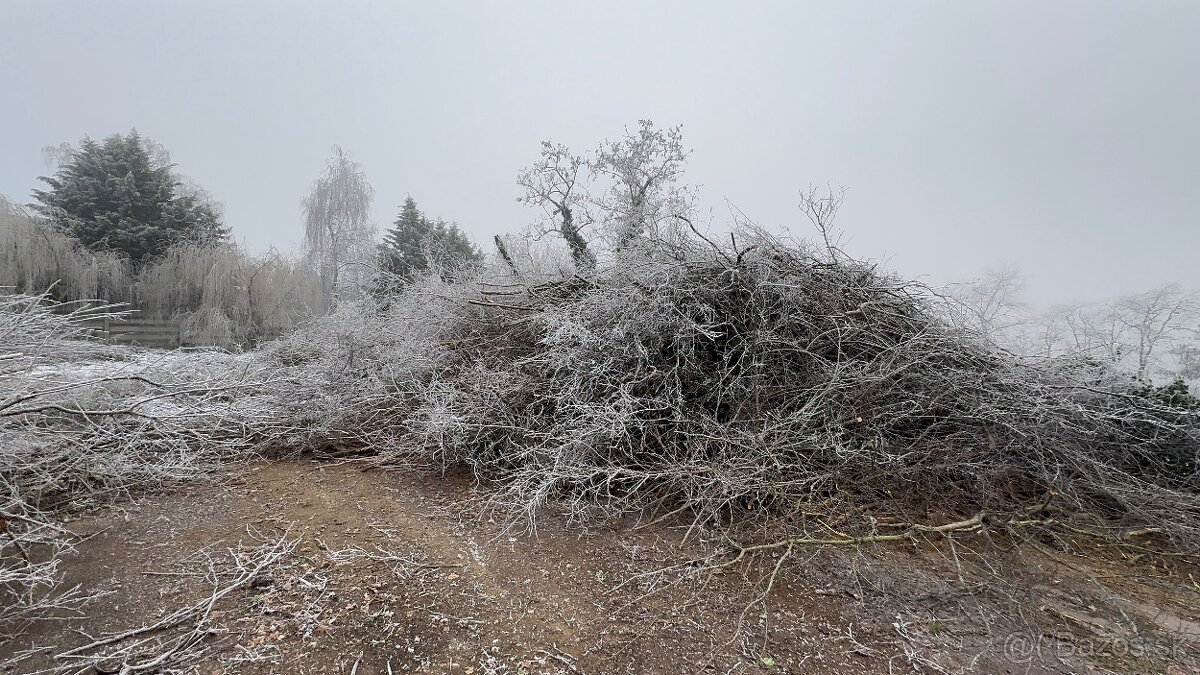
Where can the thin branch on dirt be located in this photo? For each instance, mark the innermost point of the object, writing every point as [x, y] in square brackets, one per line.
[153, 651]
[84, 423]
[400, 565]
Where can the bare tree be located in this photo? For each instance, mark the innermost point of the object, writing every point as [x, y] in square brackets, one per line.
[1150, 319]
[56, 155]
[554, 184]
[1187, 360]
[641, 173]
[991, 304]
[1133, 331]
[1076, 328]
[821, 208]
[1077, 336]
[336, 212]
[1048, 332]
[645, 168]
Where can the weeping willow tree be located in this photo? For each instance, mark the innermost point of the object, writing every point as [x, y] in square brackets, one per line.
[36, 256]
[222, 294]
[337, 235]
[225, 296]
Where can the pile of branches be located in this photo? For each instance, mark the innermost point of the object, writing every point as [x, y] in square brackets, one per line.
[757, 375]
[83, 423]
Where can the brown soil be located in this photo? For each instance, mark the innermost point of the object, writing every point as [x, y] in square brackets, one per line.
[460, 593]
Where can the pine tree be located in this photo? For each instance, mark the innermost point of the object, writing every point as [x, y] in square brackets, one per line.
[414, 242]
[116, 196]
[402, 251]
[451, 246]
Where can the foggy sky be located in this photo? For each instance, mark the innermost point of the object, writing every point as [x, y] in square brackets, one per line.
[1061, 137]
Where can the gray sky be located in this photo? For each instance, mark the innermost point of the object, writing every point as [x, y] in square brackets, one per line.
[1063, 137]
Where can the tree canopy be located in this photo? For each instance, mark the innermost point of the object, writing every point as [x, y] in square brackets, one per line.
[123, 195]
[642, 199]
[337, 230]
[415, 243]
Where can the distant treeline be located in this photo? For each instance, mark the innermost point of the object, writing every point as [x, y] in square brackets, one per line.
[117, 224]
[224, 293]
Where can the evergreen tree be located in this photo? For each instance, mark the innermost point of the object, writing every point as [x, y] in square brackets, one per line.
[403, 248]
[117, 196]
[414, 242]
[451, 246]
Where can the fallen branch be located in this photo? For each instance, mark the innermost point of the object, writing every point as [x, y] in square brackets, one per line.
[249, 564]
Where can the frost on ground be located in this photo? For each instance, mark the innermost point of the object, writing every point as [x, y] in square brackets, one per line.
[83, 424]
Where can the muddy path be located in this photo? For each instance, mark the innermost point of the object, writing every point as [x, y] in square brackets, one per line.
[399, 572]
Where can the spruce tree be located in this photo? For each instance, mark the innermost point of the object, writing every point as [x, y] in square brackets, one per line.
[403, 248]
[414, 242]
[114, 195]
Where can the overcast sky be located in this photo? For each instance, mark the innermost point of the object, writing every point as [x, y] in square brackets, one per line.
[1063, 137]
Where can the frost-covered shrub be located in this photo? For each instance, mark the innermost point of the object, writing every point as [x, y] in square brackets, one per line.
[225, 296]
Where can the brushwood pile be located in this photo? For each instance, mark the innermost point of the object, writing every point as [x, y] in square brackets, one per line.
[758, 379]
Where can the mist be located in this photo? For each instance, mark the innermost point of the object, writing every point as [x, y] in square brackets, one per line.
[1057, 138]
[610, 338]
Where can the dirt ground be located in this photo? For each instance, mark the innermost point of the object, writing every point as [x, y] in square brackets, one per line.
[399, 572]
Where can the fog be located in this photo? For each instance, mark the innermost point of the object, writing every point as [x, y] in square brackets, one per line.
[618, 337]
[1060, 138]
